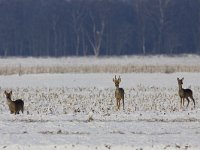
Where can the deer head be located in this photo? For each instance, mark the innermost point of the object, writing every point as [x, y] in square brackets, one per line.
[8, 95]
[117, 81]
[180, 81]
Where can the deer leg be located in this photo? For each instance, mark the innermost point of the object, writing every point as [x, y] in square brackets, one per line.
[193, 100]
[183, 99]
[118, 104]
[181, 103]
[123, 102]
[188, 101]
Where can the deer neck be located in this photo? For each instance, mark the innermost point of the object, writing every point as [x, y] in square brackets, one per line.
[180, 87]
[117, 88]
[9, 101]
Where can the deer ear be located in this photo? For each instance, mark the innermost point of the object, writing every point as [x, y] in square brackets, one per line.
[5, 92]
[114, 79]
[119, 79]
[10, 92]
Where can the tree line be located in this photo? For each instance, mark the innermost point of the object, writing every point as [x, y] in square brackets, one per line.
[99, 27]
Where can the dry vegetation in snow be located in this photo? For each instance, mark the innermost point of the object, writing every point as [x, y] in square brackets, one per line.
[101, 101]
[98, 69]
[142, 64]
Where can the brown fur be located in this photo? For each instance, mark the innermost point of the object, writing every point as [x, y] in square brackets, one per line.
[119, 92]
[184, 94]
[14, 106]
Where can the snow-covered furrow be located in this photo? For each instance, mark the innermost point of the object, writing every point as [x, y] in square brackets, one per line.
[119, 130]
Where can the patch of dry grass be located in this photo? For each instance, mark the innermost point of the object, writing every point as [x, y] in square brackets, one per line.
[9, 70]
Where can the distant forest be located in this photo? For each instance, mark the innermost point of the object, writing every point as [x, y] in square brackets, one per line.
[99, 27]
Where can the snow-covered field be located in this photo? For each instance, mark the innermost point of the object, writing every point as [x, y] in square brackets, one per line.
[77, 110]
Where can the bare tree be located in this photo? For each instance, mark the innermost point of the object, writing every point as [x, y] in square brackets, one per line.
[55, 35]
[142, 12]
[98, 13]
[97, 34]
[163, 5]
[78, 14]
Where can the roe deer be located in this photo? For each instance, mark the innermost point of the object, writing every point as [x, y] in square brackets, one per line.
[14, 106]
[184, 93]
[119, 92]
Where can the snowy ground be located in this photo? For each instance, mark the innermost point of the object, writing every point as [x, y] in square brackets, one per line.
[77, 111]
